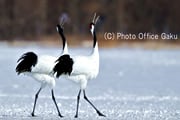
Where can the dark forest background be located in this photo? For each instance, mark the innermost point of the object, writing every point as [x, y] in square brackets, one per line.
[32, 18]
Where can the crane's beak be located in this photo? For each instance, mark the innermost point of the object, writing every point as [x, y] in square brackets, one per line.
[95, 19]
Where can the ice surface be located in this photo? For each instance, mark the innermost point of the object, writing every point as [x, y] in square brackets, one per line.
[133, 84]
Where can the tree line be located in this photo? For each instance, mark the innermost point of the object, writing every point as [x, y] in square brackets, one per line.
[32, 18]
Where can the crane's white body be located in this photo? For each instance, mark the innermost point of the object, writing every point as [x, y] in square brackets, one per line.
[42, 72]
[85, 68]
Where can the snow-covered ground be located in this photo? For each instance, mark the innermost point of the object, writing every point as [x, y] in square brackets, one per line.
[133, 84]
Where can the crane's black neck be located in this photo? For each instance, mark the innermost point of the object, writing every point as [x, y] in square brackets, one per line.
[63, 39]
[94, 38]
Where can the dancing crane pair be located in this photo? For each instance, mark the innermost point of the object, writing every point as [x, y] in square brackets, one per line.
[45, 69]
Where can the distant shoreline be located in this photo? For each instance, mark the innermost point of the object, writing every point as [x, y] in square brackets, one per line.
[86, 41]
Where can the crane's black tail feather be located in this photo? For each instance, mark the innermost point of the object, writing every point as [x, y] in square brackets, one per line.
[63, 65]
[26, 61]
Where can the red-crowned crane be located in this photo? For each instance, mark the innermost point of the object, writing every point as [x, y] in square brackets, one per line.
[80, 69]
[41, 68]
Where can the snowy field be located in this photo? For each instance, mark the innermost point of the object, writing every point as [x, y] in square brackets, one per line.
[133, 84]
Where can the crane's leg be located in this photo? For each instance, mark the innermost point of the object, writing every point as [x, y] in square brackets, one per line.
[77, 107]
[36, 97]
[98, 112]
[53, 98]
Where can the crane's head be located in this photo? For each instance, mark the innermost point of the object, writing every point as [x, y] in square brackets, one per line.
[59, 28]
[93, 23]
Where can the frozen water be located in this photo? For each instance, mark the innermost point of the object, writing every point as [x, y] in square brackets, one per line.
[133, 84]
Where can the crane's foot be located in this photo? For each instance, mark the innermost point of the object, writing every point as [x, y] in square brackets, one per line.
[60, 115]
[32, 114]
[76, 116]
[100, 114]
